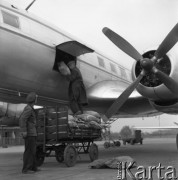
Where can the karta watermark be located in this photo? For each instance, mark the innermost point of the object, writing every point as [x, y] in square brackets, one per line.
[145, 173]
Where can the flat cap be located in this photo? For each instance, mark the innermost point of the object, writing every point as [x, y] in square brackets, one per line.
[31, 97]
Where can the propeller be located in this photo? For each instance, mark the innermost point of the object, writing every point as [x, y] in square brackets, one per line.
[122, 44]
[148, 65]
[168, 81]
[170, 40]
[123, 97]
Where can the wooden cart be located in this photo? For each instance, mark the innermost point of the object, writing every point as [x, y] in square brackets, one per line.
[57, 138]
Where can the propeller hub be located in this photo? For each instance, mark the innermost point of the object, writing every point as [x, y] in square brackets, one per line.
[147, 64]
[151, 80]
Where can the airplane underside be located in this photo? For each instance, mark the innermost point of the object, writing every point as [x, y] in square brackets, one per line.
[134, 107]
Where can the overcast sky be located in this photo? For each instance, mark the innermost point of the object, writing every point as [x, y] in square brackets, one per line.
[144, 23]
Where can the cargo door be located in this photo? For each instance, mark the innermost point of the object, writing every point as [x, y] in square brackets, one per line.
[68, 51]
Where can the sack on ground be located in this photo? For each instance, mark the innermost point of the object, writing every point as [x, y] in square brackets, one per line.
[112, 162]
[99, 163]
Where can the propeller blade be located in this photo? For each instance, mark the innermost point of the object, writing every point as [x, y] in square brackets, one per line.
[122, 44]
[168, 81]
[123, 97]
[170, 40]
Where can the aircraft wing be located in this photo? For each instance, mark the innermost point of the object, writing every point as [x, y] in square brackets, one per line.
[103, 94]
[160, 127]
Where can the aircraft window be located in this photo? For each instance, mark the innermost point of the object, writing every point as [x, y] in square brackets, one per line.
[10, 19]
[123, 73]
[101, 62]
[113, 69]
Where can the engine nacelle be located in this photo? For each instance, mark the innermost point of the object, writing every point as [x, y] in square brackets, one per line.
[170, 107]
[150, 86]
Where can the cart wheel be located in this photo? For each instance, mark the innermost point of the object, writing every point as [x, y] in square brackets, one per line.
[40, 156]
[106, 145]
[93, 152]
[59, 155]
[70, 155]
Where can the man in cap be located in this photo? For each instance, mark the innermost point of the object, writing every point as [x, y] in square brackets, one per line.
[76, 92]
[29, 133]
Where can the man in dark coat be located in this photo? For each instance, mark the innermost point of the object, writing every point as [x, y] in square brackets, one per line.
[29, 133]
[77, 92]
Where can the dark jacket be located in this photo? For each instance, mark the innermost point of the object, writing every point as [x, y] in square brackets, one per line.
[77, 90]
[28, 120]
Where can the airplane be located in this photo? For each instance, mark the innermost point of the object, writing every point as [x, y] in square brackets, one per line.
[31, 48]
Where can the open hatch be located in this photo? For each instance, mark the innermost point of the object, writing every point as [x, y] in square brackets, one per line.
[68, 51]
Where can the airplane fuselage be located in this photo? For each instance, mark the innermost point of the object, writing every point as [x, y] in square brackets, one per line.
[27, 57]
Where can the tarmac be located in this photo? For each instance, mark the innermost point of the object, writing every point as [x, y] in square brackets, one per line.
[150, 154]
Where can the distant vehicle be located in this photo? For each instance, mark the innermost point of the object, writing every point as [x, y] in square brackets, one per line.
[109, 144]
[162, 127]
[137, 138]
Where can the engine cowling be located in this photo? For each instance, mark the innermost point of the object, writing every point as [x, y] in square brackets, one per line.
[152, 88]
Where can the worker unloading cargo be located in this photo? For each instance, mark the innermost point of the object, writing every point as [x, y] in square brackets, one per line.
[76, 92]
